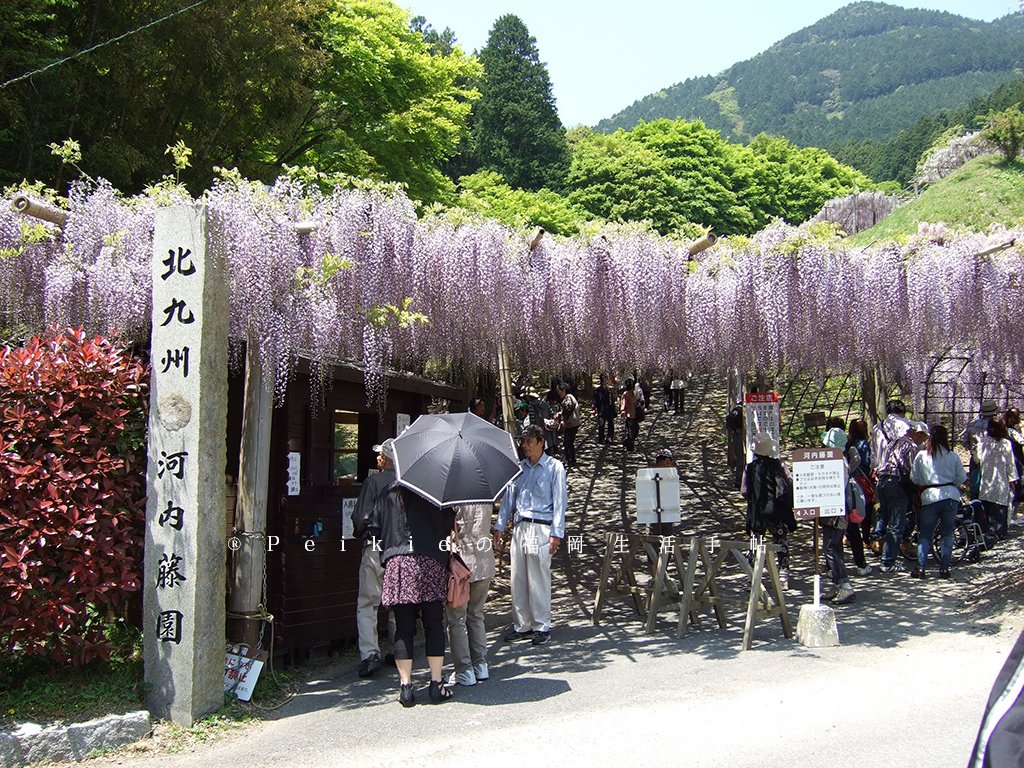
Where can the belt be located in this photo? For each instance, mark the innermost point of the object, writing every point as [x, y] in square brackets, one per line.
[525, 519]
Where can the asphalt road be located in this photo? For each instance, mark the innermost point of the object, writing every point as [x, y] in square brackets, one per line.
[907, 686]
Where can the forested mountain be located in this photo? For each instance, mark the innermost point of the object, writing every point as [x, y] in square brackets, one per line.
[865, 72]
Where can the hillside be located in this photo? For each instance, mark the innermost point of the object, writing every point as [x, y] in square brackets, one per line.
[865, 72]
[984, 191]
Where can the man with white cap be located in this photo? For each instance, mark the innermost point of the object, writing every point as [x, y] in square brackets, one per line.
[895, 491]
[969, 440]
[371, 573]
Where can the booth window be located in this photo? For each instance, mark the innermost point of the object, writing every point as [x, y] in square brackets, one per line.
[346, 445]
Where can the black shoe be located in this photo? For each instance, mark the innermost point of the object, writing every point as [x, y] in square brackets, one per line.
[917, 573]
[512, 636]
[541, 638]
[407, 694]
[945, 574]
[439, 691]
[369, 666]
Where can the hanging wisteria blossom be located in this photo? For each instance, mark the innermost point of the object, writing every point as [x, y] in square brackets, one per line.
[787, 298]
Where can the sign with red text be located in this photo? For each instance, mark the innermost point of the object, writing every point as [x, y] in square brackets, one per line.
[760, 414]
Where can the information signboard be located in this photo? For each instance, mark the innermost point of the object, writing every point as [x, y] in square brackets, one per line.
[819, 487]
[760, 414]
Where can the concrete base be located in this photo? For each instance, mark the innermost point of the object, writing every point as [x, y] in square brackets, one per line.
[816, 627]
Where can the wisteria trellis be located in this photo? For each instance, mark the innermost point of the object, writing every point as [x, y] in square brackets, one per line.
[624, 298]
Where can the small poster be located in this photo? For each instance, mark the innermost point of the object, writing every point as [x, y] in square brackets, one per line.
[819, 483]
[402, 422]
[348, 509]
[241, 672]
[760, 414]
[294, 468]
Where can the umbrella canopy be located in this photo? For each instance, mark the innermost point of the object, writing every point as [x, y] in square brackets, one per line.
[455, 458]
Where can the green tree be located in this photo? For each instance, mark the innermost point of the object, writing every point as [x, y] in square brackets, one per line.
[347, 85]
[516, 129]
[386, 105]
[1005, 130]
[486, 193]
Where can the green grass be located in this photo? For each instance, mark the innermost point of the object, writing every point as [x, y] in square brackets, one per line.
[36, 691]
[984, 191]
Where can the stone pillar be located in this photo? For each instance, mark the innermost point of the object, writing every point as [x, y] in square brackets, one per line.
[184, 588]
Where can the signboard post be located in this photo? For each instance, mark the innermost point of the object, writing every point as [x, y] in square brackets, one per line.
[818, 491]
[761, 414]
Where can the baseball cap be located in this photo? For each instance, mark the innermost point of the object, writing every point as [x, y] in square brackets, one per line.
[386, 449]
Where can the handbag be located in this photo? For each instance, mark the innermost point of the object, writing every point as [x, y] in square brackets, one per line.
[458, 582]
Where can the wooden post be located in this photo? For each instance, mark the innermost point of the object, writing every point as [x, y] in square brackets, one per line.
[250, 557]
[505, 382]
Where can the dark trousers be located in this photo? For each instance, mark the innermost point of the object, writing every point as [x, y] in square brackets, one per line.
[832, 545]
[609, 422]
[855, 536]
[570, 446]
[997, 515]
[432, 615]
[676, 399]
[630, 439]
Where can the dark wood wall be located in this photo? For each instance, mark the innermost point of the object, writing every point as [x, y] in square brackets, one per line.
[313, 583]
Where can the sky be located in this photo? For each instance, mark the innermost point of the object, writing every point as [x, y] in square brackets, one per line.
[603, 55]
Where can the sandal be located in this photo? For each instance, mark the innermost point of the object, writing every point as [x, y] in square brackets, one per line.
[407, 694]
[439, 691]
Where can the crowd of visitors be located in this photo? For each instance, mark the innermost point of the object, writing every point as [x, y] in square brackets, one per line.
[904, 482]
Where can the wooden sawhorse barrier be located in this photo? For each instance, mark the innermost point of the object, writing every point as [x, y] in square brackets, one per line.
[761, 604]
[649, 601]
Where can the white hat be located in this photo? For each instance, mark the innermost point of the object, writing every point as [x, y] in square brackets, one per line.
[386, 449]
[764, 444]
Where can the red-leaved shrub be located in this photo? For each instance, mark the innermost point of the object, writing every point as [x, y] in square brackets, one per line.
[72, 493]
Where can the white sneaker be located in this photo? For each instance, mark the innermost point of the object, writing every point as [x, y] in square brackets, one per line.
[466, 678]
[865, 571]
[829, 592]
[480, 671]
[844, 596]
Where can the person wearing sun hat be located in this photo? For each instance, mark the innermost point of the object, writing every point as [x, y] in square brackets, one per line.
[767, 487]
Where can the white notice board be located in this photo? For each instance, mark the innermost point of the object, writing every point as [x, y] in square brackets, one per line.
[760, 414]
[819, 483]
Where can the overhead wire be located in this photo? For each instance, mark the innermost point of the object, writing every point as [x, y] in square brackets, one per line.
[96, 47]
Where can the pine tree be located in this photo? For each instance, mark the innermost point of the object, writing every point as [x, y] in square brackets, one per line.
[516, 130]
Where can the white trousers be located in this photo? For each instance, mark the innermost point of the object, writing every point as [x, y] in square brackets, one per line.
[531, 577]
[371, 576]
[467, 635]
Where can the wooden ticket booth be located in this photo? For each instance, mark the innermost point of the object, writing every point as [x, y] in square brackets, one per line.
[321, 449]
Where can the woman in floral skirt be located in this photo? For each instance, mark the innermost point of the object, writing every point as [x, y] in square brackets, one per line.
[415, 556]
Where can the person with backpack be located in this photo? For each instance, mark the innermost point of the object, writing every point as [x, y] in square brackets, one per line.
[860, 470]
[768, 489]
[896, 491]
[884, 434]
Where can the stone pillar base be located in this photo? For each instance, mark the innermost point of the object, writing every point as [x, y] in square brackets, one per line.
[816, 627]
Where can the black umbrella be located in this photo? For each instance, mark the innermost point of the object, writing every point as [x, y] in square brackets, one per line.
[455, 458]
